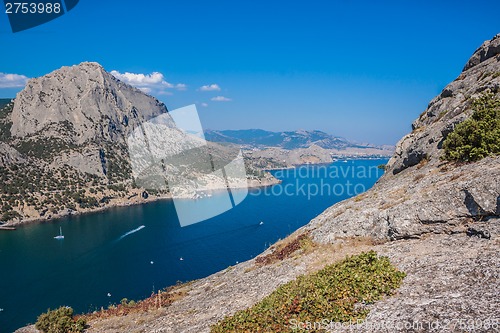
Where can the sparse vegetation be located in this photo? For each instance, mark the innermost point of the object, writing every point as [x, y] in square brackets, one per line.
[285, 250]
[336, 292]
[6, 108]
[160, 299]
[442, 114]
[478, 136]
[60, 321]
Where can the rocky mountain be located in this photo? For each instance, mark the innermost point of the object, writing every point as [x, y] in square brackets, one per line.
[436, 218]
[257, 138]
[270, 150]
[64, 145]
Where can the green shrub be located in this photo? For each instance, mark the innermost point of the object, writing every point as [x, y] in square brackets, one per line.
[126, 303]
[60, 321]
[332, 293]
[478, 136]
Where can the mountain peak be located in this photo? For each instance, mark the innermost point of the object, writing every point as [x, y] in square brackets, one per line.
[487, 50]
[81, 96]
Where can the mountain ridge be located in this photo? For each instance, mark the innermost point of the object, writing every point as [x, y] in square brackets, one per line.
[259, 138]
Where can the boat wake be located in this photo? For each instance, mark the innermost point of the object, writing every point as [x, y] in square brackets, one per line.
[131, 232]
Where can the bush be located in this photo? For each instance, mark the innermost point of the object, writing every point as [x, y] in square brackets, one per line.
[478, 136]
[60, 321]
[332, 293]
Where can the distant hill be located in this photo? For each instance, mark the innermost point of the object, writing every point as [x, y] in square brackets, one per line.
[258, 138]
[270, 150]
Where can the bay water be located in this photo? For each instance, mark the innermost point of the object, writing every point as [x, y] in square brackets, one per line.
[130, 252]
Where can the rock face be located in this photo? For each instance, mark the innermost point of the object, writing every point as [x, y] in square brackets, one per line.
[82, 95]
[420, 193]
[86, 111]
[65, 145]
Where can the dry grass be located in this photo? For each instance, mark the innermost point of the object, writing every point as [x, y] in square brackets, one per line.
[418, 177]
[162, 299]
[419, 129]
[285, 249]
[456, 176]
[338, 213]
[422, 163]
[397, 193]
[360, 197]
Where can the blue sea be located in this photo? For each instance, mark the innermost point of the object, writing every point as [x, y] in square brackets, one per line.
[129, 252]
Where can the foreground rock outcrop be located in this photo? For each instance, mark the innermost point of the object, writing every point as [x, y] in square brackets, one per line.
[420, 193]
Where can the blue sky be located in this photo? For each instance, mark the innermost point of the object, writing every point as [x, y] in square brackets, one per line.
[357, 69]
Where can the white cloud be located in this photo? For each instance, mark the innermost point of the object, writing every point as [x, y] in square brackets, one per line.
[220, 99]
[141, 79]
[210, 87]
[180, 86]
[145, 90]
[204, 105]
[12, 80]
[153, 83]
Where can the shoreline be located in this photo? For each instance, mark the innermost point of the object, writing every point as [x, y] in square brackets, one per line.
[12, 226]
[252, 183]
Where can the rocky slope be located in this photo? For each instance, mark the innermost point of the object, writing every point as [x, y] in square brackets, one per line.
[420, 193]
[65, 145]
[438, 221]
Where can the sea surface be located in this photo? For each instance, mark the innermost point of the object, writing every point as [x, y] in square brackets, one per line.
[130, 252]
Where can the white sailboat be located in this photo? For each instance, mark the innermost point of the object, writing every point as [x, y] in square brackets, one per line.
[61, 236]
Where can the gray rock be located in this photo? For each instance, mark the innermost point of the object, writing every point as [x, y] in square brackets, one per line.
[420, 193]
[95, 104]
[489, 49]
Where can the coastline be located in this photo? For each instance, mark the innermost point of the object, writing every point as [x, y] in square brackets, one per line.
[137, 200]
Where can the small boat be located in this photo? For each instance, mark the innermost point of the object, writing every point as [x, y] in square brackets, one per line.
[109, 295]
[1, 310]
[60, 234]
[181, 258]
[261, 223]
[152, 262]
